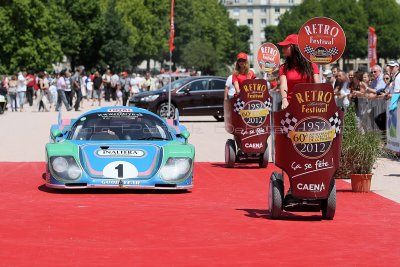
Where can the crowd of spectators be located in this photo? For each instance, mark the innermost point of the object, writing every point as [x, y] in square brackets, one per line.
[43, 91]
[351, 85]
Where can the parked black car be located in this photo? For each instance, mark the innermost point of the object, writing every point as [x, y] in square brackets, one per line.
[192, 96]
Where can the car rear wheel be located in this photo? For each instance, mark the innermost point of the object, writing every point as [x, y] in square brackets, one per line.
[162, 110]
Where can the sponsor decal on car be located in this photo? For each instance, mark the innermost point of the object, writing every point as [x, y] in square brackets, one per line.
[121, 153]
[119, 110]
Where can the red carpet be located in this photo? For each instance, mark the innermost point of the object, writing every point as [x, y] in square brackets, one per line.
[223, 222]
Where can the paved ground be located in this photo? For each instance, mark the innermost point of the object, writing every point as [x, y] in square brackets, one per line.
[24, 135]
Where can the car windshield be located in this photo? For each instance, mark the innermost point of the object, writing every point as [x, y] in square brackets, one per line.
[175, 84]
[119, 126]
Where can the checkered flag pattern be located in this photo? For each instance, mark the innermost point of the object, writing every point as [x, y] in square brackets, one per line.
[335, 122]
[238, 106]
[268, 104]
[333, 51]
[288, 123]
[309, 50]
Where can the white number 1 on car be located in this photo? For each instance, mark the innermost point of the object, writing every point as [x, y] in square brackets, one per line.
[120, 170]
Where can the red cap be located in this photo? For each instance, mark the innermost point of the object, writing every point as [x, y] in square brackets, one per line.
[242, 55]
[124, 73]
[291, 39]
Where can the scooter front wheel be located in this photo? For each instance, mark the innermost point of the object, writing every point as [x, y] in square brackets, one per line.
[275, 195]
[230, 153]
[329, 204]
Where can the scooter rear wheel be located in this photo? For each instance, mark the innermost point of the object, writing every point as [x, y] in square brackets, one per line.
[230, 153]
[275, 196]
[329, 205]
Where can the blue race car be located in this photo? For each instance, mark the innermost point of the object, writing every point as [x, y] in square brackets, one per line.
[119, 147]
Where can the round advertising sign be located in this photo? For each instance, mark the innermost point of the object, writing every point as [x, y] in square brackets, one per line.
[254, 113]
[312, 137]
[321, 40]
[268, 57]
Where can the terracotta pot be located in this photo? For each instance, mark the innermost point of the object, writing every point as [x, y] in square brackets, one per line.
[361, 182]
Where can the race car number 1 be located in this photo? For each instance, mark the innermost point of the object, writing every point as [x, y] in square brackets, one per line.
[120, 170]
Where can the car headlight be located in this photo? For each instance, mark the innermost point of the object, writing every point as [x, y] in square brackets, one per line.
[60, 164]
[65, 167]
[149, 98]
[176, 169]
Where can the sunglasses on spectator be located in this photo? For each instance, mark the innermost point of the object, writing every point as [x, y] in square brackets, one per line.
[387, 78]
[374, 71]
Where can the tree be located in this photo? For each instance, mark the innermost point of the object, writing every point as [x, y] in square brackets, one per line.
[82, 23]
[291, 21]
[354, 23]
[114, 50]
[200, 55]
[384, 16]
[28, 42]
[220, 35]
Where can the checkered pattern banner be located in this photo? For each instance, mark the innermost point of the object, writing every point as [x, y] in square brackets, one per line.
[333, 51]
[335, 123]
[268, 104]
[239, 105]
[309, 50]
[288, 123]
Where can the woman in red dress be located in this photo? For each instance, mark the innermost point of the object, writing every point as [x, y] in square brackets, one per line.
[295, 70]
[242, 71]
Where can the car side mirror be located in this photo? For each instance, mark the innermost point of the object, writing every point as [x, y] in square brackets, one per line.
[185, 134]
[55, 133]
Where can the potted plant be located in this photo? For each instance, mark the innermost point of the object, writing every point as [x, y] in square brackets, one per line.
[360, 152]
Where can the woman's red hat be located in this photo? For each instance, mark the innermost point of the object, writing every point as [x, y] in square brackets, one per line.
[291, 39]
[242, 55]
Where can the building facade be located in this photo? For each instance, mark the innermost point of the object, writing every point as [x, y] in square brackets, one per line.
[257, 14]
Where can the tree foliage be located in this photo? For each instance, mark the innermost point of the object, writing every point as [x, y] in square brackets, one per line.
[384, 16]
[119, 33]
[27, 39]
[354, 16]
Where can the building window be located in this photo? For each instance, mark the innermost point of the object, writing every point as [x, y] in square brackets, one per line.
[250, 22]
[251, 46]
[237, 22]
[263, 22]
[262, 35]
[264, 10]
[237, 1]
[250, 10]
[236, 11]
[291, 2]
[263, 2]
[249, 2]
[277, 10]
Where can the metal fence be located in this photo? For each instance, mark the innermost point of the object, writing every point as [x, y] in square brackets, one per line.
[368, 111]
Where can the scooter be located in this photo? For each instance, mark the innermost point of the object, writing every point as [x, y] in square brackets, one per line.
[307, 147]
[247, 117]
